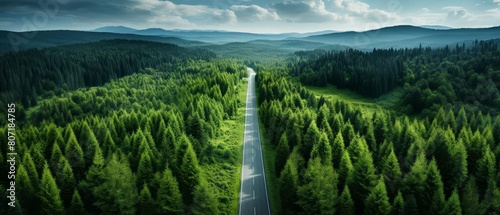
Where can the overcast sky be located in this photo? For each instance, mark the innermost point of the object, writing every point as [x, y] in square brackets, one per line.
[262, 16]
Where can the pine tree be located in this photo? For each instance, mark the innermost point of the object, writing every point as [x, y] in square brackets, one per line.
[392, 174]
[66, 181]
[337, 150]
[282, 152]
[145, 203]
[380, 127]
[49, 194]
[117, 193]
[288, 183]
[345, 168]
[322, 150]
[346, 205]
[414, 184]
[204, 200]
[108, 144]
[74, 155]
[88, 143]
[398, 205]
[189, 172]
[145, 169]
[470, 198]
[54, 158]
[25, 191]
[434, 190]
[76, 206]
[378, 201]
[31, 169]
[485, 170]
[348, 134]
[168, 146]
[311, 137]
[319, 194]
[169, 197]
[453, 205]
[363, 179]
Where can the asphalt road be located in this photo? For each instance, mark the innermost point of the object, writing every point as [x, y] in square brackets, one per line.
[254, 199]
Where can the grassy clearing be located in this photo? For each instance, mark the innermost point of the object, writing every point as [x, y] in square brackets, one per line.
[388, 101]
[225, 175]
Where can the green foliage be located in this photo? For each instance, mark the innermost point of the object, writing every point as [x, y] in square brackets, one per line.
[118, 192]
[318, 194]
[49, 194]
[453, 205]
[169, 197]
[288, 184]
[346, 205]
[378, 201]
[145, 203]
[282, 152]
[204, 200]
[76, 206]
[189, 172]
[398, 205]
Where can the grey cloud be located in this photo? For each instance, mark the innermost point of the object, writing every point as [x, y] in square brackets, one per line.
[253, 13]
[303, 12]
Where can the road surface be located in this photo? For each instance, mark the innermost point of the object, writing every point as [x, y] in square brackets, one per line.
[254, 199]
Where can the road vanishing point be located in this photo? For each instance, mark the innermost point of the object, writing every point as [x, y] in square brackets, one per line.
[254, 198]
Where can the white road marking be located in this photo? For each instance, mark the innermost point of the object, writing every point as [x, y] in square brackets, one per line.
[253, 194]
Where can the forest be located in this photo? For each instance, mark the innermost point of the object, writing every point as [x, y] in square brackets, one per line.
[149, 141]
[436, 154]
[136, 127]
[464, 76]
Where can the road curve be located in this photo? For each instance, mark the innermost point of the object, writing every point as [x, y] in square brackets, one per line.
[254, 198]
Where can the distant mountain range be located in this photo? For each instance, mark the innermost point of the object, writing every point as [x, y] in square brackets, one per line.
[210, 36]
[62, 37]
[404, 36]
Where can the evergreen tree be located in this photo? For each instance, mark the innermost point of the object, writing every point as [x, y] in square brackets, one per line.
[398, 205]
[49, 194]
[392, 174]
[434, 190]
[470, 198]
[322, 150]
[89, 143]
[414, 185]
[485, 170]
[118, 193]
[337, 150]
[453, 205]
[378, 201]
[76, 206]
[25, 191]
[145, 169]
[288, 184]
[363, 179]
[311, 137]
[66, 181]
[204, 200]
[345, 169]
[318, 195]
[189, 172]
[31, 169]
[145, 203]
[282, 152]
[74, 155]
[169, 197]
[345, 205]
[108, 144]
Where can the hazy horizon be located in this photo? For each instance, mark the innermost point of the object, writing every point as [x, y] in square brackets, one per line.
[253, 16]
